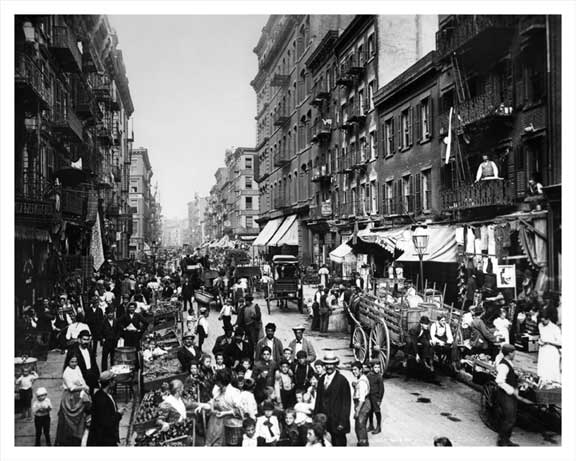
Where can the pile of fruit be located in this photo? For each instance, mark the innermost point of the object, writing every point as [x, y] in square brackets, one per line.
[148, 408]
[160, 367]
[158, 438]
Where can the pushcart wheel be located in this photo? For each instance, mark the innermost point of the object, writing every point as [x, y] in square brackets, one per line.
[380, 344]
[488, 406]
[360, 344]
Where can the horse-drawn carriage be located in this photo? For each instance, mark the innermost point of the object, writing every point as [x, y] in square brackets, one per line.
[381, 326]
[286, 284]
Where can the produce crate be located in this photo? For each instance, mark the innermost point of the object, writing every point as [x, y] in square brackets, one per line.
[545, 396]
[155, 383]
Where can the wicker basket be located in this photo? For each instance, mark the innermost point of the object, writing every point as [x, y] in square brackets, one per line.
[547, 396]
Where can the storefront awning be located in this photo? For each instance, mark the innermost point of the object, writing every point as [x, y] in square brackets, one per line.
[390, 239]
[442, 246]
[268, 232]
[287, 233]
[342, 254]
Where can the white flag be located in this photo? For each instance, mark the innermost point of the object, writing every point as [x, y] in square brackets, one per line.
[449, 140]
[96, 248]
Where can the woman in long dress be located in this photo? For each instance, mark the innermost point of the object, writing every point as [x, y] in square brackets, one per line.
[74, 406]
[549, 354]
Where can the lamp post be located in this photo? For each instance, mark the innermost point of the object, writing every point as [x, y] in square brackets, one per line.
[420, 239]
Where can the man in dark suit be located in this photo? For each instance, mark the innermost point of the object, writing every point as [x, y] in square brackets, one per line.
[334, 400]
[240, 348]
[104, 425]
[419, 343]
[187, 293]
[132, 326]
[272, 342]
[188, 353]
[94, 319]
[110, 336]
[223, 341]
[86, 359]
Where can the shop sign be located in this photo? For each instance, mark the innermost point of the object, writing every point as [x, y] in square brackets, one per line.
[506, 276]
[326, 208]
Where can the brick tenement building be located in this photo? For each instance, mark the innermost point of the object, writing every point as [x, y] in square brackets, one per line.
[72, 148]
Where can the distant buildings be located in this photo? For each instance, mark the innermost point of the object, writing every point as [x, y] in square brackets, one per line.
[174, 232]
[195, 231]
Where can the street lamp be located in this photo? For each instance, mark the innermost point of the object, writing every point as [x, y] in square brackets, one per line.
[420, 239]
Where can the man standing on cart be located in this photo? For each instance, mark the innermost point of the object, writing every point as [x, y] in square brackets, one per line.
[507, 396]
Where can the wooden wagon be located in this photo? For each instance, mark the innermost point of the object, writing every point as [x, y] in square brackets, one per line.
[381, 327]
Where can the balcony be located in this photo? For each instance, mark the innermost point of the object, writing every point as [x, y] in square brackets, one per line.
[475, 33]
[486, 109]
[32, 199]
[320, 93]
[65, 48]
[358, 112]
[321, 174]
[344, 77]
[281, 159]
[72, 202]
[345, 165]
[104, 134]
[281, 118]
[357, 64]
[101, 88]
[477, 195]
[86, 107]
[31, 91]
[67, 123]
[280, 80]
[321, 130]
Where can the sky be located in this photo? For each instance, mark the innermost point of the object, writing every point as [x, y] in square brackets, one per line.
[190, 84]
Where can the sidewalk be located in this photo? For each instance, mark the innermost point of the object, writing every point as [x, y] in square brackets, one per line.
[50, 377]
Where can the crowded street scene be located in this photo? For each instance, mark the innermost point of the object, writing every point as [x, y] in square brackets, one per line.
[378, 263]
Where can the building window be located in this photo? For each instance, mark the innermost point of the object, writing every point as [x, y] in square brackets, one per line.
[389, 137]
[406, 126]
[248, 163]
[363, 149]
[135, 227]
[249, 222]
[134, 189]
[354, 201]
[373, 197]
[248, 182]
[371, 47]
[423, 120]
[426, 188]
[407, 202]
[372, 145]
[134, 209]
[389, 197]
[371, 95]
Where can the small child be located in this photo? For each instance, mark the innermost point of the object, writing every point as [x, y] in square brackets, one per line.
[41, 408]
[246, 364]
[302, 410]
[375, 395]
[226, 313]
[267, 427]
[285, 385]
[502, 325]
[202, 327]
[289, 437]
[25, 383]
[219, 365]
[249, 438]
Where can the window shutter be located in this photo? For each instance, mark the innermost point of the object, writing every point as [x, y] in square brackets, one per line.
[384, 208]
[418, 194]
[430, 118]
[411, 195]
[410, 125]
[398, 197]
[418, 122]
[398, 130]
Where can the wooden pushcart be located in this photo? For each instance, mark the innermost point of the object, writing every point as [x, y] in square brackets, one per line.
[381, 328]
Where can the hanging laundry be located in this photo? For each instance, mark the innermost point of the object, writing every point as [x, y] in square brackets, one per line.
[491, 240]
[459, 235]
[478, 245]
[470, 239]
[484, 238]
[477, 232]
[506, 239]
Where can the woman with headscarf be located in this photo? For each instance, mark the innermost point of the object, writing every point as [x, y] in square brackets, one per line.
[74, 405]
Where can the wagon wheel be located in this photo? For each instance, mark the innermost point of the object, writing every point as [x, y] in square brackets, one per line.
[360, 344]
[488, 406]
[380, 344]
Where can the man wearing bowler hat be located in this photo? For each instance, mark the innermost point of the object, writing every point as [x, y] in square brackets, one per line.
[334, 400]
[224, 340]
[106, 418]
[302, 344]
[188, 353]
[419, 343]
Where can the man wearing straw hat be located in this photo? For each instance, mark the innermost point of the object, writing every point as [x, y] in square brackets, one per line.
[334, 400]
[299, 343]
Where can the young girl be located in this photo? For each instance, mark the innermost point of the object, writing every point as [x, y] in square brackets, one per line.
[502, 325]
[41, 409]
[249, 438]
[24, 383]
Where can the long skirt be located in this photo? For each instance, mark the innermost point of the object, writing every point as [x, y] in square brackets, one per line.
[233, 436]
[215, 432]
[549, 363]
[71, 419]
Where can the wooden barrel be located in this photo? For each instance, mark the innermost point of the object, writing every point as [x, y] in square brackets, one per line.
[126, 355]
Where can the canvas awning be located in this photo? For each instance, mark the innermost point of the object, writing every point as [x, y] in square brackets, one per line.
[442, 246]
[268, 232]
[342, 254]
[287, 233]
[390, 239]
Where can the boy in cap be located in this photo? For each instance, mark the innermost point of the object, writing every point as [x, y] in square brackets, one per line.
[375, 395]
[41, 408]
[267, 427]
